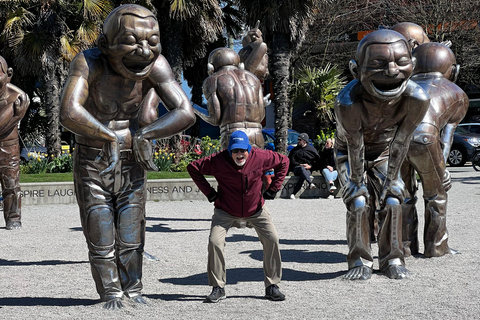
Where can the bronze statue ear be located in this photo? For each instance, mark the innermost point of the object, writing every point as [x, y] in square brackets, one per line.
[9, 73]
[210, 69]
[353, 68]
[102, 44]
[455, 71]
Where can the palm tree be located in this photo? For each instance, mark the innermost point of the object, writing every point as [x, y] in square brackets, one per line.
[285, 24]
[318, 88]
[42, 37]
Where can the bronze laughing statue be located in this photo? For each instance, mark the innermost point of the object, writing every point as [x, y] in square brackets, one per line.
[234, 98]
[376, 116]
[109, 103]
[254, 53]
[13, 106]
[435, 72]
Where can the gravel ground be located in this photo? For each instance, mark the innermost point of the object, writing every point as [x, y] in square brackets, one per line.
[45, 274]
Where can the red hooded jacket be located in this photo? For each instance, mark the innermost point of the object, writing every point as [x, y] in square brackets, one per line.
[239, 188]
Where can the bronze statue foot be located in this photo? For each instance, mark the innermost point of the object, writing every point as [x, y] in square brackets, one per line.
[139, 300]
[114, 304]
[453, 251]
[359, 273]
[397, 272]
[13, 225]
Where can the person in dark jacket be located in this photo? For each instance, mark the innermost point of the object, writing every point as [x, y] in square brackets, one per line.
[303, 159]
[238, 201]
[329, 172]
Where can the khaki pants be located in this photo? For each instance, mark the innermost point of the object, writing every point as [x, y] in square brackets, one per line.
[263, 224]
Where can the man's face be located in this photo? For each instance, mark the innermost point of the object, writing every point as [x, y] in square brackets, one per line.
[239, 156]
[302, 143]
[385, 69]
[133, 51]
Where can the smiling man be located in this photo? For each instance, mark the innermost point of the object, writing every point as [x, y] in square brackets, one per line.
[238, 200]
[110, 102]
[377, 114]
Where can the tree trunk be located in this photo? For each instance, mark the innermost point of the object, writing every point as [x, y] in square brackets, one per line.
[280, 72]
[52, 91]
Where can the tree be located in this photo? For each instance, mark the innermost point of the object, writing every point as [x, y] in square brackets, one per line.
[42, 37]
[284, 24]
[317, 89]
[340, 24]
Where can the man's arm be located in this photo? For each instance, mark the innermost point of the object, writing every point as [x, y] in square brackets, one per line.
[279, 163]
[197, 171]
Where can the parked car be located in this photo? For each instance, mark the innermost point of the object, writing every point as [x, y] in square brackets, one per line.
[466, 140]
[269, 137]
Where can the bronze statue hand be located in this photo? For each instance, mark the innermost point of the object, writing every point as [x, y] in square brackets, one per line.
[266, 100]
[142, 148]
[447, 181]
[392, 188]
[112, 152]
[353, 191]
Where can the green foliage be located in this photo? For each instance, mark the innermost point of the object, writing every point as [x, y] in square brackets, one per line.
[209, 146]
[64, 163]
[319, 142]
[318, 87]
[39, 163]
[163, 159]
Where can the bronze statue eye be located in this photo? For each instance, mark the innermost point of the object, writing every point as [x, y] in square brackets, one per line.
[154, 40]
[376, 63]
[129, 40]
[404, 61]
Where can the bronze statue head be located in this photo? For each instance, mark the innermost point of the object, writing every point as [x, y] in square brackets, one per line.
[222, 57]
[383, 65]
[131, 41]
[5, 76]
[436, 57]
[414, 34]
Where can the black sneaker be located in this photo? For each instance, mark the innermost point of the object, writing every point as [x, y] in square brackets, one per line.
[273, 293]
[216, 295]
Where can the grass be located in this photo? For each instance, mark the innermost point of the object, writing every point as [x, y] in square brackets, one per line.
[67, 177]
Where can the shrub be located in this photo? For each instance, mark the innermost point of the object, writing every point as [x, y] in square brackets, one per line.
[163, 159]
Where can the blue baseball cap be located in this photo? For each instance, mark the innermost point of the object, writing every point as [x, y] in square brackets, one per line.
[239, 140]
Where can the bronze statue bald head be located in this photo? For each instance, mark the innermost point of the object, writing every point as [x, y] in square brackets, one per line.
[383, 65]
[414, 33]
[5, 75]
[131, 41]
[222, 57]
[436, 57]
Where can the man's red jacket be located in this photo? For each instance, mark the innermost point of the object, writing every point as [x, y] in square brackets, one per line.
[239, 188]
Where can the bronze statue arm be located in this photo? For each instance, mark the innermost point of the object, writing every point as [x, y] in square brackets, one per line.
[14, 114]
[73, 114]
[213, 113]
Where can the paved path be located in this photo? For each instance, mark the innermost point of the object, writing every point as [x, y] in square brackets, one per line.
[44, 272]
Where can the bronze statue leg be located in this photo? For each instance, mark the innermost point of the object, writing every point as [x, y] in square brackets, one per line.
[409, 211]
[390, 247]
[10, 180]
[430, 166]
[359, 258]
[113, 223]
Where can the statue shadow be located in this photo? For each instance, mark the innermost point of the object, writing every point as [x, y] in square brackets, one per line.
[46, 301]
[163, 228]
[242, 237]
[236, 275]
[302, 256]
[176, 219]
[17, 263]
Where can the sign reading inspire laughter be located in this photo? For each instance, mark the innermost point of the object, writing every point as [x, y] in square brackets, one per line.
[156, 190]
